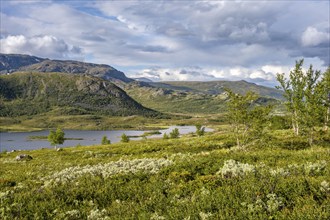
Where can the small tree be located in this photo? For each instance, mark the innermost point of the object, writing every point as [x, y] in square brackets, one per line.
[325, 98]
[56, 137]
[124, 138]
[247, 120]
[165, 136]
[200, 131]
[306, 97]
[105, 140]
[175, 133]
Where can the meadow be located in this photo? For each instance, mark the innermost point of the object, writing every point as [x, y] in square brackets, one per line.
[192, 177]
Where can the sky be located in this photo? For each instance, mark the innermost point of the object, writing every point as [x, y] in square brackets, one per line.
[173, 40]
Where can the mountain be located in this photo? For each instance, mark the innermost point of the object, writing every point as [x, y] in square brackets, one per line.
[12, 62]
[218, 87]
[23, 93]
[165, 97]
[25, 63]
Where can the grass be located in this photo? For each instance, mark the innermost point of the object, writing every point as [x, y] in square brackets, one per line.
[185, 178]
[98, 122]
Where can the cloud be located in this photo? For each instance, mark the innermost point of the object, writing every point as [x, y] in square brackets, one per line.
[44, 46]
[313, 37]
[226, 39]
[175, 74]
[258, 75]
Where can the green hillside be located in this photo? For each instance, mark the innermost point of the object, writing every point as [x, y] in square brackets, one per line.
[217, 87]
[175, 99]
[34, 93]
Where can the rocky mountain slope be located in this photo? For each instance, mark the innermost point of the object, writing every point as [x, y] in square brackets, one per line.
[12, 62]
[25, 93]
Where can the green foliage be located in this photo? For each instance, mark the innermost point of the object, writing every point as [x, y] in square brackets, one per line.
[105, 140]
[278, 122]
[56, 137]
[305, 95]
[247, 120]
[124, 138]
[200, 131]
[165, 136]
[175, 133]
[324, 88]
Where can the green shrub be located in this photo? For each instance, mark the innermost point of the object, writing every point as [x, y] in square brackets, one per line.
[124, 138]
[200, 131]
[105, 140]
[175, 133]
[165, 136]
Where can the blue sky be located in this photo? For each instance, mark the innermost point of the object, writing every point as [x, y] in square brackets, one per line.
[173, 40]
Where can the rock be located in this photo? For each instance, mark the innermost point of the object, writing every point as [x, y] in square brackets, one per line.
[23, 157]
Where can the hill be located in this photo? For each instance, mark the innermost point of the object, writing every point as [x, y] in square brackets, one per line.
[165, 97]
[217, 87]
[32, 93]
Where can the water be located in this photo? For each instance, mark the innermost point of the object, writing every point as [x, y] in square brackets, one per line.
[20, 140]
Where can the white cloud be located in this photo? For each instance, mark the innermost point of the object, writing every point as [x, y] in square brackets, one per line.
[44, 46]
[313, 37]
[227, 39]
[275, 69]
[256, 75]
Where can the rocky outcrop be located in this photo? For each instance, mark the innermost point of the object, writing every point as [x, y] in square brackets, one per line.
[23, 157]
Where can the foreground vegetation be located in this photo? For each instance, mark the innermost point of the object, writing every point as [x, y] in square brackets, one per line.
[193, 177]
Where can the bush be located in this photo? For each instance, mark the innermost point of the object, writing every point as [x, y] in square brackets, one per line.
[278, 122]
[200, 131]
[105, 140]
[124, 138]
[165, 136]
[175, 133]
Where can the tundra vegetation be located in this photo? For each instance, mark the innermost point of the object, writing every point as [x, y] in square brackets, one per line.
[255, 165]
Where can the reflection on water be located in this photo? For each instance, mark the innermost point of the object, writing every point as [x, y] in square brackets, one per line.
[20, 140]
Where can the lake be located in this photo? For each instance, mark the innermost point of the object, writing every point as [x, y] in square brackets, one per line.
[20, 140]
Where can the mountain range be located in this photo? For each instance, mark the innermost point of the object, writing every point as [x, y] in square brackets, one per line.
[30, 85]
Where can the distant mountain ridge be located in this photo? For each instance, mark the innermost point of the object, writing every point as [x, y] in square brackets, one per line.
[218, 87]
[12, 62]
[25, 63]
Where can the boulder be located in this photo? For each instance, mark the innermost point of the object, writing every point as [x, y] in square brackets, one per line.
[23, 157]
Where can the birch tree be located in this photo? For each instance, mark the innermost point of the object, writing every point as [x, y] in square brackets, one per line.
[247, 120]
